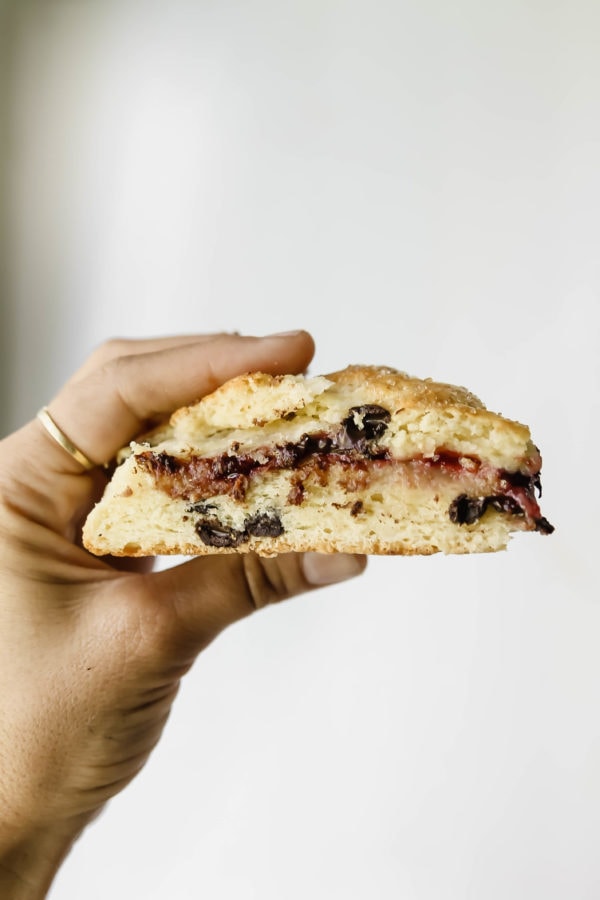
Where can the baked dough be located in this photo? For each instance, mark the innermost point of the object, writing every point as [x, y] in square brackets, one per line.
[366, 460]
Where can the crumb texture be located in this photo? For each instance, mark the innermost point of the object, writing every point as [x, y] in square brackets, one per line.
[367, 478]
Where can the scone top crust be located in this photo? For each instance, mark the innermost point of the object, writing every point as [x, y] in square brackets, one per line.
[412, 392]
[250, 400]
[426, 416]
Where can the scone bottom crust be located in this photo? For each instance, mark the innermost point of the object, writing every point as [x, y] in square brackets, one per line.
[402, 475]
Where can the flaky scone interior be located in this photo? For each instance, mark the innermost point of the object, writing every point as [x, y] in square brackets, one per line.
[366, 460]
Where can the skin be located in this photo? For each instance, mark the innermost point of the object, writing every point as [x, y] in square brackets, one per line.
[92, 650]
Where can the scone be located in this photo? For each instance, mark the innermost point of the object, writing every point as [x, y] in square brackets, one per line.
[366, 460]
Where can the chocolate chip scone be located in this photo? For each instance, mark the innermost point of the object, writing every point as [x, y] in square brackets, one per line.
[366, 460]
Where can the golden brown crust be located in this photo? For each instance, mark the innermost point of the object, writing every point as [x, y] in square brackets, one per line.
[250, 400]
[388, 382]
[401, 389]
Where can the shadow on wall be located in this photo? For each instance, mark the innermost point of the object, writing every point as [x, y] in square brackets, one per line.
[28, 336]
[7, 16]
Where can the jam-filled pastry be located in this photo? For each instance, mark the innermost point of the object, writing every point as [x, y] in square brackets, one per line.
[366, 460]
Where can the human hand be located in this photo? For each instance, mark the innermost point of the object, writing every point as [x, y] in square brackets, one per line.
[92, 650]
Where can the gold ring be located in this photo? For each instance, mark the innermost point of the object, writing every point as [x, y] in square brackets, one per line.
[61, 438]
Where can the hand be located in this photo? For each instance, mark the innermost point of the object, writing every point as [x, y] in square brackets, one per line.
[92, 651]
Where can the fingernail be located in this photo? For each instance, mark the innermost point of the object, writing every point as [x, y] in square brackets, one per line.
[329, 568]
[285, 334]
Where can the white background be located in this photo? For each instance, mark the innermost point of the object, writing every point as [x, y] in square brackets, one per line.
[418, 184]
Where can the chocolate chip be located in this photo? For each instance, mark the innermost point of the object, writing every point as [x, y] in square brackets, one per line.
[506, 504]
[543, 525]
[531, 483]
[267, 524]
[225, 466]
[318, 443]
[287, 456]
[362, 428]
[356, 507]
[202, 507]
[465, 510]
[212, 533]
[375, 420]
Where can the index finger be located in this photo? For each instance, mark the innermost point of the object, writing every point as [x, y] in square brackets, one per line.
[116, 347]
[106, 409]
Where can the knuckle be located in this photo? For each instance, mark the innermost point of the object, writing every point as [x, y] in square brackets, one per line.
[113, 372]
[264, 582]
[111, 349]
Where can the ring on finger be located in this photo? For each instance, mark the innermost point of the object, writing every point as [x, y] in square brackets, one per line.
[61, 438]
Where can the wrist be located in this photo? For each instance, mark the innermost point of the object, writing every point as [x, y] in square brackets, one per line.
[28, 864]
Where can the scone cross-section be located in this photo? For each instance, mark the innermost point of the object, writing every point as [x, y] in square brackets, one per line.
[366, 460]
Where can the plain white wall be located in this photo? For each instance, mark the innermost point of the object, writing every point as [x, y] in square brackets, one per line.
[418, 184]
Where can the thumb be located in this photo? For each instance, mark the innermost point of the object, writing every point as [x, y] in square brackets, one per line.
[210, 593]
